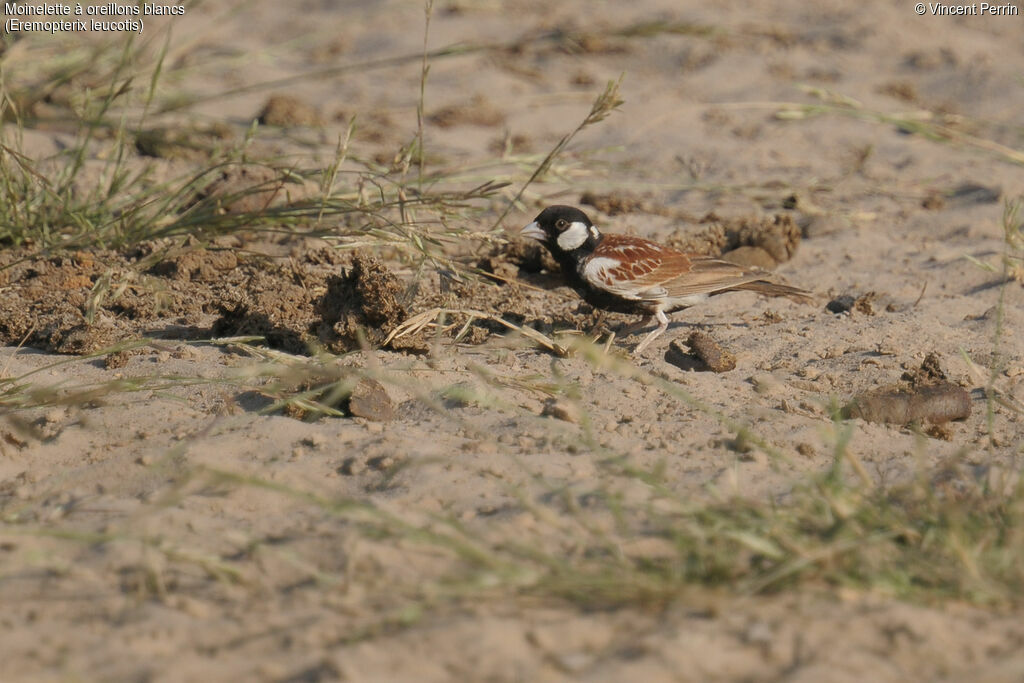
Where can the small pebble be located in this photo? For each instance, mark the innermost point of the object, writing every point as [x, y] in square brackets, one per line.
[382, 462]
[841, 304]
[351, 467]
[183, 352]
[316, 440]
[809, 373]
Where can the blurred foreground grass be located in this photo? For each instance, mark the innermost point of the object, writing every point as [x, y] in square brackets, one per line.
[952, 533]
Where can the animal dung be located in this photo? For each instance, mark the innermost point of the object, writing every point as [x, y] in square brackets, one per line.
[704, 354]
[709, 351]
[935, 403]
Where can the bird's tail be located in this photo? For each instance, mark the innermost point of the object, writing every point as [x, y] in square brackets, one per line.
[767, 288]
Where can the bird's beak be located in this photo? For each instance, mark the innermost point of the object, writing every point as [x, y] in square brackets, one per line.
[533, 230]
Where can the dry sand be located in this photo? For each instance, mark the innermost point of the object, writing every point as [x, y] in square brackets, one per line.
[205, 579]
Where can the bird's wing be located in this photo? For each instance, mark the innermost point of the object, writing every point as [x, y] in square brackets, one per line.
[631, 267]
[641, 270]
[708, 275]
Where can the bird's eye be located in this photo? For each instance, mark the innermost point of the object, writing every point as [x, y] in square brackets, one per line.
[561, 224]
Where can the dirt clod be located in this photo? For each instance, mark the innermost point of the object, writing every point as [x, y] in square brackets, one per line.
[930, 372]
[750, 257]
[370, 400]
[46, 301]
[288, 111]
[362, 304]
[561, 410]
[613, 203]
[864, 303]
[712, 240]
[198, 264]
[271, 305]
[777, 237]
[119, 359]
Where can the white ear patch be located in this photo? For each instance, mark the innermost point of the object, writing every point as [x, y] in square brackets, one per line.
[574, 236]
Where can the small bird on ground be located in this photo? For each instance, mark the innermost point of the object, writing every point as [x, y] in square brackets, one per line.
[629, 274]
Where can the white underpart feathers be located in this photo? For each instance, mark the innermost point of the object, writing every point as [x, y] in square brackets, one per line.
[597, 274]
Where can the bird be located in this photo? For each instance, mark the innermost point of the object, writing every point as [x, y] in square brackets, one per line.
[632, 275]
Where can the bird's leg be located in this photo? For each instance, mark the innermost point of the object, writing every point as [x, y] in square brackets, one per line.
[630, 328]
[662, 326]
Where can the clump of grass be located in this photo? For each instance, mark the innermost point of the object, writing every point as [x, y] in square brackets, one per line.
[1013, 259]
[98, 193]
[39, 212]
[1011, 268]
[925, 123]
[1013, 238]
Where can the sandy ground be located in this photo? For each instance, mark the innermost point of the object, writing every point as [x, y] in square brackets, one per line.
[205, 576]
